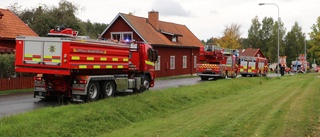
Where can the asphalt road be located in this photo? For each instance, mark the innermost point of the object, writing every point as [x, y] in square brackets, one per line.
[23, 102]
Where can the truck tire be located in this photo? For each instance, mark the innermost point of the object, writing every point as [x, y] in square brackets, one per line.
[108, 89]
[93, 91]
[204, 78]
[145, 84]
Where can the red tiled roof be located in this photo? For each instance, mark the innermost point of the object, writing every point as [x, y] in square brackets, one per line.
[153, 36]
[250, 52]
[11, 26]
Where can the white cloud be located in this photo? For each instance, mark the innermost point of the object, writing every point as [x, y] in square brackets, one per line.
[205, 18]
[170, 8]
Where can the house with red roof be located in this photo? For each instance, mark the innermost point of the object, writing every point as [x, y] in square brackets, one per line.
[11, 26]
[250, 52]
[178, 47]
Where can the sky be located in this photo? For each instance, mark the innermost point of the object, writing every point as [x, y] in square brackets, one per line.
[205, 18]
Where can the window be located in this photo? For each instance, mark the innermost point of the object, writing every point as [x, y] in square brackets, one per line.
[174, 38]
[116, 36]
[172, 62]
[127, 36]
[157, 64]
[122, 36]
[195, 61]
[184, 62]
[229, 60]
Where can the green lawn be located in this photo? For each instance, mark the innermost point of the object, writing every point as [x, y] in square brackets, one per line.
[16, 91]
[286, 106]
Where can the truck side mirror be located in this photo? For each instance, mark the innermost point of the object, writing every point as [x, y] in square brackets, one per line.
[155, 55]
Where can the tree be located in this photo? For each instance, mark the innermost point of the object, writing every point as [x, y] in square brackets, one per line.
[265, 36]
[267, 43]
[294, 43]
[273, 43]
[43, 18]
[231, 37]
[93, 30]
[254, 40]
[315, 41]
[212, 41]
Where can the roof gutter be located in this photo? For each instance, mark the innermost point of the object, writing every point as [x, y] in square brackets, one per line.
[173, 46]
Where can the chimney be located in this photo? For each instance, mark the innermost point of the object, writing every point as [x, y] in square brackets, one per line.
[153, 19]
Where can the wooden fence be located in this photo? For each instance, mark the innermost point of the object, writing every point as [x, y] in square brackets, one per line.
[16, 83]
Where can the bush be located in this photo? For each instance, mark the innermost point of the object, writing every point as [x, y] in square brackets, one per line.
[7, 65]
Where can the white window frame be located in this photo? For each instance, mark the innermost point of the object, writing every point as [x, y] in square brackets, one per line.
[157, 64]
[195, 61]
[184, 61]
[122, 35]
[172, 62]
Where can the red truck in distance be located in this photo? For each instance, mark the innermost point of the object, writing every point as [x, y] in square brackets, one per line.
[84, 70]
[216, 62]
[253, 66]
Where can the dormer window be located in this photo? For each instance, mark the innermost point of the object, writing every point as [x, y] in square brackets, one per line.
[171, 36]
[174, 38]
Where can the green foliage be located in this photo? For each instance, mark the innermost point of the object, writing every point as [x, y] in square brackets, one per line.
[295, 42]
[265, 36]
[212, 41]
[7, 65]
[44, 18]
[92, 29]
[315, 41]
[237, 107]
[254, 34]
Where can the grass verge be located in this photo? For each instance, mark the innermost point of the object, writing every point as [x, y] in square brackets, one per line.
[286, 106]
[4, 92]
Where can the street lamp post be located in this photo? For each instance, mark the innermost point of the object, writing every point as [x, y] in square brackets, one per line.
[261, 4]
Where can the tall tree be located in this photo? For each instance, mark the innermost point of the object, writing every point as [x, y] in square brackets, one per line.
[266, 32]
[315, 41]
[273, 44]
[254, 34]
[294, 43]
[231, 37]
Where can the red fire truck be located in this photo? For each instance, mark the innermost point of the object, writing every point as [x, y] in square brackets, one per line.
[84, 70]
[216, 62]
[301, 65]
[253, 66]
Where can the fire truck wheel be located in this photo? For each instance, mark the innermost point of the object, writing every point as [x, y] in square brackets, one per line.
[93, 91]
[204, 78]
[145, 84]
[108, 89]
